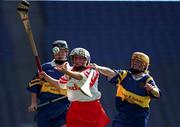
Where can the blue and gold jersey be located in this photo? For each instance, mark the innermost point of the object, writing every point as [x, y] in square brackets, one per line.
[131, 96]
[44, 90]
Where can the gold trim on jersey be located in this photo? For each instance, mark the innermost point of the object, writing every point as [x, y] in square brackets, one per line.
[46, 87]
[132, 98]
[34, 82]
[148, 79]
[122, 75]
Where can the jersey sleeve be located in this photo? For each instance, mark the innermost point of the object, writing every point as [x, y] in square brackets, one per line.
[63, 81]
[120, 75]
[151, 81]
[34, 85]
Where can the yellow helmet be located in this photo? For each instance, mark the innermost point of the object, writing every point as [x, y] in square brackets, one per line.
[140, 61]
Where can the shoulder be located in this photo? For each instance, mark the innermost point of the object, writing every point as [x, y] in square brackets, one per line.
[122, 73]
[47, 65]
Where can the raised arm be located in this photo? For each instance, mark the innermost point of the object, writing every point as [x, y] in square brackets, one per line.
[75, 75]
[104, 70]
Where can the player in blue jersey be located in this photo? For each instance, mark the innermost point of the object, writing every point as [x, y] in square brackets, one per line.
[42, 92]
[135, 89]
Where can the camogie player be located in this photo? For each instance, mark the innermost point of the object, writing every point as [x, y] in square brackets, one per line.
[54, 113]
[135, 88]
[84, 111]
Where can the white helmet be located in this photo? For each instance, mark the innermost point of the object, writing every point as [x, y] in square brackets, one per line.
[80, 52]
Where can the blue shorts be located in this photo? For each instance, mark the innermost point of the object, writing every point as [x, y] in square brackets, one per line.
[53, 122]
[125, 120]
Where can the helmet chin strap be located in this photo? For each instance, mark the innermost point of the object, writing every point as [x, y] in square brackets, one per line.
[79, 68]
[60, 62]
[135, 71]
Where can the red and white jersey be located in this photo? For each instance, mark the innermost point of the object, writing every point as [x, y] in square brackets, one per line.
[73, 86]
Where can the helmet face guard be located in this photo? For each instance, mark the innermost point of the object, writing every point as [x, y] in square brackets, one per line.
[139, 62]
[57, 48]
[60, 44]
[80, 52]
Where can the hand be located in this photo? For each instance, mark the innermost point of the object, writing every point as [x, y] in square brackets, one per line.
[149, 87]
[94, 66]
[32, 107]
[42, 75]
[62, 67]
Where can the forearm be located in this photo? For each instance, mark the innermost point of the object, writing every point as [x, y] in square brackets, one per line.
[33, 106]
[106, 71]
[33, 98]
[51, 80]
[75, 75]
[155, 92]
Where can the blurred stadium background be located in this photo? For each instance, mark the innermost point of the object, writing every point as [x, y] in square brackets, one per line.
[111, 31]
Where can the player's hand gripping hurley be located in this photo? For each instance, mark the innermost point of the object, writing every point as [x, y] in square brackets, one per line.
[23, 8]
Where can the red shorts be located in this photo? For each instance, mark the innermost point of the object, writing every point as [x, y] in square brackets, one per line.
[86, 114]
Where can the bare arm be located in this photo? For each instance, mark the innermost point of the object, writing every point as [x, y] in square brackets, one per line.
[33, 106]
[153, 89]
[75, 75]
[55, 82]
[104, 70]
